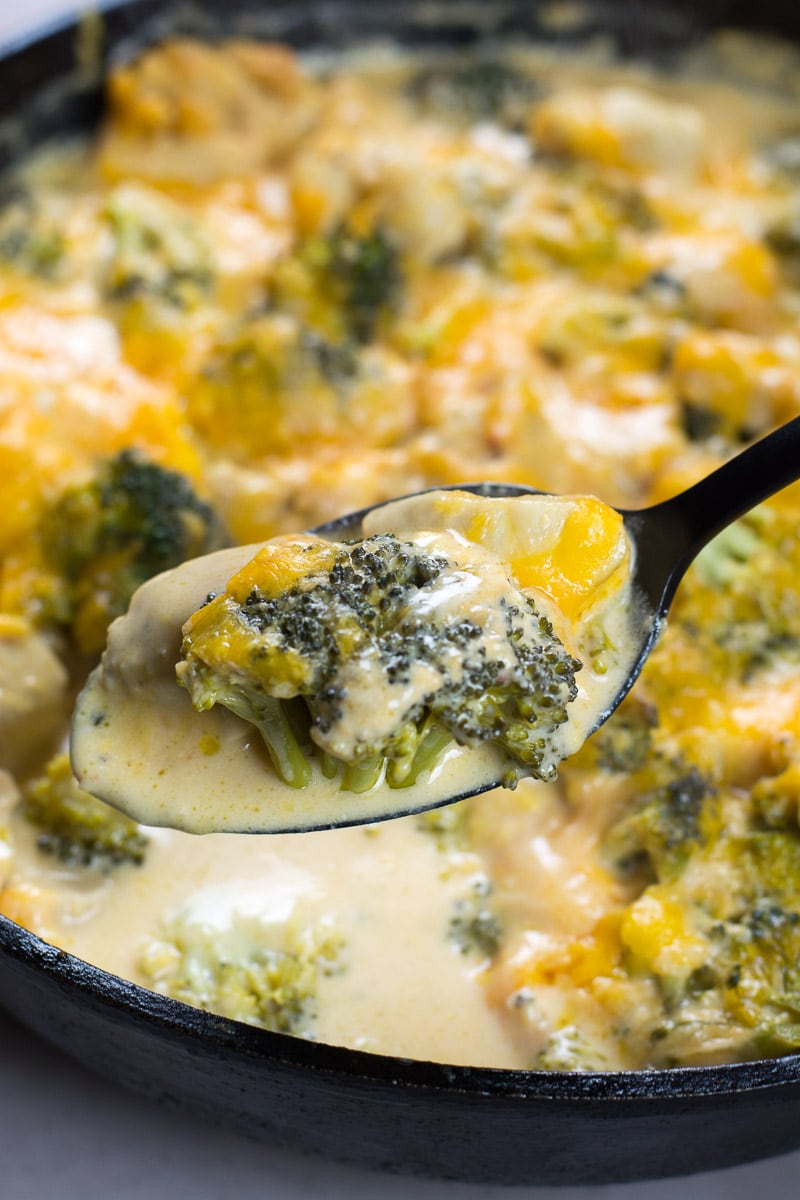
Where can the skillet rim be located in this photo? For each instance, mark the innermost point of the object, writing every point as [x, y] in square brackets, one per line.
[152, 1008]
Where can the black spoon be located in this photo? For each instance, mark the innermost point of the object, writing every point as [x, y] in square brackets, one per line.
[666, 538]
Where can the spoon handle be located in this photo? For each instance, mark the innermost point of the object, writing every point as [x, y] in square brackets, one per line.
[670, 534]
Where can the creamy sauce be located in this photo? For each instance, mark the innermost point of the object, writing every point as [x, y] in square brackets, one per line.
[599, 295]
[398, 973]
[138, 743]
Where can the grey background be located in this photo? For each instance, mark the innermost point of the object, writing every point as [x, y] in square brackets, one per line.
[67, 1135]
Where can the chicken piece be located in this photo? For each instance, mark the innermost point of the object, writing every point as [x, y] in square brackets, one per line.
[33, 686]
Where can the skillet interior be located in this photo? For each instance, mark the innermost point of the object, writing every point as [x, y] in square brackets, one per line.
[430, 1119]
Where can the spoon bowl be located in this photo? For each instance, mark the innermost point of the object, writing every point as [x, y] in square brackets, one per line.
[148, 780]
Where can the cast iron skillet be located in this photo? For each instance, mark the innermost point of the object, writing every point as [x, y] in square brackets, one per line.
[425, 1118]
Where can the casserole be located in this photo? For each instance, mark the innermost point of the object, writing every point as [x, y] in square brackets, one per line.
[493, 1125]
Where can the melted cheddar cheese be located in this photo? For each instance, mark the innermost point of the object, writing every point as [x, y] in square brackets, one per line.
[311, 286]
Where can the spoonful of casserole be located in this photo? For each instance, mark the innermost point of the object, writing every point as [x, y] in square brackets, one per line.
[397, 659]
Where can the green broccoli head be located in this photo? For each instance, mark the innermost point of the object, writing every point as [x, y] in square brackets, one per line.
[365, 270]
[479, 90]
[29, 237]
[739, 603]
[343, 283]
[571, 1049]
[76, 827]
[474, 928]
[339, 625]
[159, 255]
[511, 701]
[747, 992]
[273, 383]
[724, 877]
[624, 744]
[245, 968]
[103, 539]
[671, 821]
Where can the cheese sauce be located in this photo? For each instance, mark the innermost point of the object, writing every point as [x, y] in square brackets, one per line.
[306, 288]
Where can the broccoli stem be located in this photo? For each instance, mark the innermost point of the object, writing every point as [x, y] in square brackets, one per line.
[282, 745]
[361, 776]
[297, 714]
[433, 745]
[272, 721]
[433, 742]
[329, 764]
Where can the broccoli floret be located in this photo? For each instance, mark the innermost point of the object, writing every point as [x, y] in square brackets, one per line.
[783, 239]
[102, 539]
[730, 886]
[481, 90]
[28, 238]
[75, 826]
[248, 969]
[671, 821]
[330, 622]
[625, 742]
[725, 559]
[158, 253]
[750, 982]
[701, 423]
[474, 929]
[343, 284]
[337, 363]
[365, 270]
[512, 708]
[739, 603]
[569, 1049]
[272, 384]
